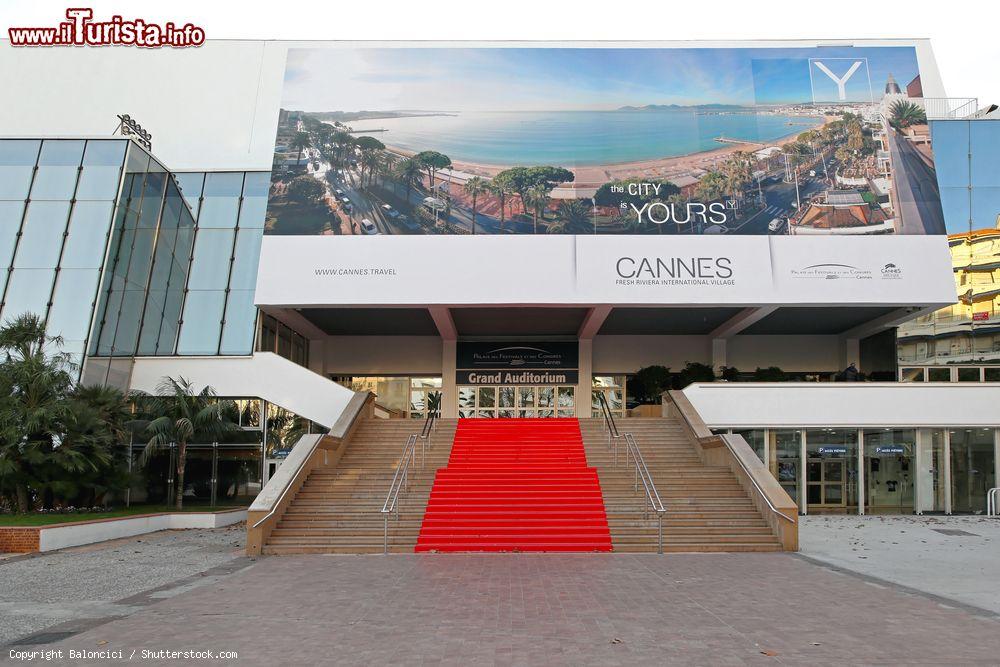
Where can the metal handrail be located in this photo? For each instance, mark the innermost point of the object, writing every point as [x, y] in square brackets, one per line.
[400, 478]
[642, 473]
[992, 497]
[750, 475]
[281, 496]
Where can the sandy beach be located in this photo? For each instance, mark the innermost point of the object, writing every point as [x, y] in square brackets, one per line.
[590, 177]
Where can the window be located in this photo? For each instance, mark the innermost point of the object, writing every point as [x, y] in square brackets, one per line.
[27, 292]
[58, 168]
[213, 249]
[88, 232]
[17, 165]
[202, 323]
[72, 303]
[41, 239]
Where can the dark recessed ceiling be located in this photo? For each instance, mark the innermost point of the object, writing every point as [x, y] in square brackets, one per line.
[372, 321]
[518, 321]
[805, 320]
[664, 321]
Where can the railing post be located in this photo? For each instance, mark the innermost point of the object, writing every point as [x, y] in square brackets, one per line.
[659, 532]
[385, 534]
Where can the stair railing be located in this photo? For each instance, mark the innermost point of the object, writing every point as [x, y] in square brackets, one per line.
[401, 477]
[991, 501]
[642, 474]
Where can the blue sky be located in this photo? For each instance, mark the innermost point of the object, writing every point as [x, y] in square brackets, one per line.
[496, 79]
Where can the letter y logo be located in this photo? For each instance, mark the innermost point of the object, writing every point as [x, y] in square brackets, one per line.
[840, 81]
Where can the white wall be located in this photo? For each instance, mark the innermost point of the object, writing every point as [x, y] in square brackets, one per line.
[849, 404]
[381, 355]
[264, 375]
[90, 532]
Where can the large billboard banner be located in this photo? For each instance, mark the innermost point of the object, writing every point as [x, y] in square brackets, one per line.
[821, 141]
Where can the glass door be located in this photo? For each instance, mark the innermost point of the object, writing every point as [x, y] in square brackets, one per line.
[973, 470]
[889, 470]
[516, 401]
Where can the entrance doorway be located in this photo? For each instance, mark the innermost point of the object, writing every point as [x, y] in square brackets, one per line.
[825, 483]
[516, 401]
[890, 470]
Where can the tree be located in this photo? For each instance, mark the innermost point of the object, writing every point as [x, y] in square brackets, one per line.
[711, 187]
[695, 372]
[299, 143]
[738, 173]
[408, 172]
[769, 374]
[903, 114]
[432, 161]
[306, 190]
[341, 141]
[649, 383]
[572, 215]
[474, 187]
[500, 187]
[369, 147]
[536, 198]
[183, 416]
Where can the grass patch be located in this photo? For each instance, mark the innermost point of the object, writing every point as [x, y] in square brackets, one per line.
[47, 519]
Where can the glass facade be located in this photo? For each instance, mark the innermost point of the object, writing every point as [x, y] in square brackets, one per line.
[275, 336]
[890, 470]
[57, 198]
[967, 332]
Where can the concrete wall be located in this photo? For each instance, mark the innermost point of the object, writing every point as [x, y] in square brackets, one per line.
[627, 354]
[790, 353]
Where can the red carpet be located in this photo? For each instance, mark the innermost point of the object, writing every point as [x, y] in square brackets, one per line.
[516, 485]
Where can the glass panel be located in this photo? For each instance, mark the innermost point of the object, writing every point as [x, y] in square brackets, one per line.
[190, 185]
[984, 143]
[754, 438]
[254, 206]
[833, 453]
[991, 374]
[17, 161]
[973, 468]
[221, 200]
[546, 397]
[104, 153]
[212, 251]
[507, 414]
[526, 397]
[88, 231]
[58, 168]
[785, 455]
[239, 475]
[911, 375]
[72, 304]
[41, 240]
[202, 323]
[28, 291]
[10, 223]
[238, 329]
[466, 397]
[505, 397]
[566, 397]
[939, 375]
[488, 414]
[968, 375]
[889, 470]
[247, 258]
[487, 397]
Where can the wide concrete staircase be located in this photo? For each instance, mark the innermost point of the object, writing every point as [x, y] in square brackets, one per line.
[337, 510]
[706, 508]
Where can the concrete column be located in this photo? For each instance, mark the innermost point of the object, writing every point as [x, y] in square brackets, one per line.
[718, 353]
[449, 390]
[585, 384]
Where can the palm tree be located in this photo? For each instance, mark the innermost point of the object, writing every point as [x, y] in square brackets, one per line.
[500, 189]
[903, 114]
[34, 385]
[183, 416]
[408, 172]
[341, 140]
[474, 187]
[300, 142]
[571, 214]
[536, 198]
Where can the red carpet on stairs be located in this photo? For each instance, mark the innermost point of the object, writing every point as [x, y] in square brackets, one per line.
[516, 485]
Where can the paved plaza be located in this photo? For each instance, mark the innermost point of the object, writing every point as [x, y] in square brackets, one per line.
[192, 590]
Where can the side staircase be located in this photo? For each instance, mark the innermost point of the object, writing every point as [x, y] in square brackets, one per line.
[337, 510]
[706, 508]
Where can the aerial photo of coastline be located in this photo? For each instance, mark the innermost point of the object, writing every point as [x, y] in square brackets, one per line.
[439, 140]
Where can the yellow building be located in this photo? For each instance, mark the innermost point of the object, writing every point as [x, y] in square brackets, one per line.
[968, 331]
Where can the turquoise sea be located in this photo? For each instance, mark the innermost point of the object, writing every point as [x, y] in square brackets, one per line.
[578, 138]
